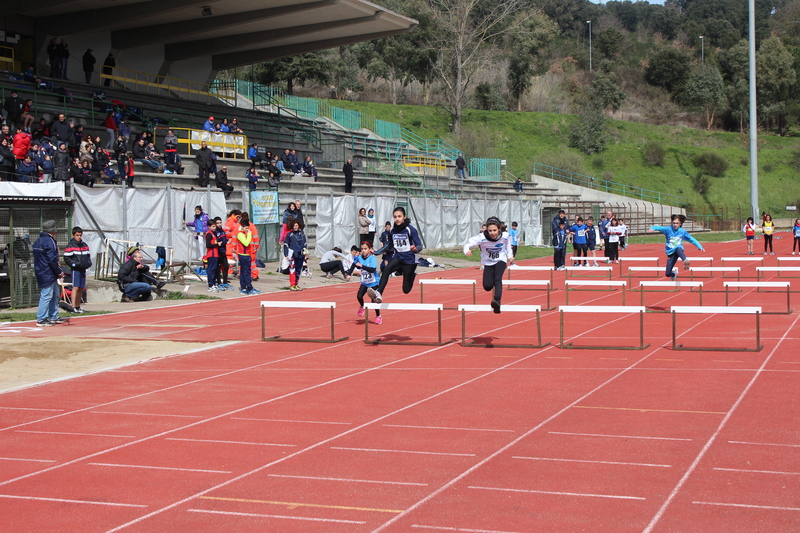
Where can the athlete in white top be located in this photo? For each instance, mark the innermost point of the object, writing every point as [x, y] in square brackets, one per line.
[495, 246]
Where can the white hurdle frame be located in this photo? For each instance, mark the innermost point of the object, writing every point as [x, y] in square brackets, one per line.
[586, 283]
[403, 307]
[660, 271]
[711, 270]
[626, 309]
[676, 310]
[758, 285]
[298, 305]
[638, 259]
[777, 269]
[787, 258]
[607, 271]
[423, 282]
[506, 309]
[523, 268]
[675, 285]
[548, 286]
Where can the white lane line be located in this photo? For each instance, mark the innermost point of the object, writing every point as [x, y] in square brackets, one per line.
[350, 480]
[772, 507]
[31, 409]
[143, 414]
[758, 471]
[31, 460]
[80, 434]
[233, 442]
[293, 421]
[615, 436]
[588, 461]
[764, 444]
[60, 500]
[454, 429]
[163, 468]
[464, 529]
[612, 496]
[402, 451]
[255, 515]
[713, 438]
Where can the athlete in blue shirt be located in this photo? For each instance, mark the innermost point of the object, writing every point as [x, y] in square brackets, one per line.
[675, 236]
[406, 244]
[366, 266]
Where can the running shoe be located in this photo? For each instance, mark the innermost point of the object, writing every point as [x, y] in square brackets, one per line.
[213, 288]
[254, 291]
[78, 310]
[360, 311]
[675, 274]
[244, 292]
[375, 295]
[378, 320]
[220, 288]
[57, 320]
[496, 307]
[687, 264]
[44, 324]
[772, 253]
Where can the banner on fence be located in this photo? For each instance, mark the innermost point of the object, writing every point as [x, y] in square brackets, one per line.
[224, 142]
[264, 207]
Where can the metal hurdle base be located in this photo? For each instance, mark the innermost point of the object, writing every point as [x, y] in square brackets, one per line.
[280, 338]
[439, 342]
[681, 348]
[571, 346]
[470, 343]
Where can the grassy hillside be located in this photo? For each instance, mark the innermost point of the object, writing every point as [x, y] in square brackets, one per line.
[525, 138]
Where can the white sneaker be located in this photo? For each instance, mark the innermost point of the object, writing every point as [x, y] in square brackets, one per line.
[375, 295]
[213, 289]
[595, 263]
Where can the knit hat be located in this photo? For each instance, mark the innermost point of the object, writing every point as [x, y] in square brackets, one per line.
[49, 226]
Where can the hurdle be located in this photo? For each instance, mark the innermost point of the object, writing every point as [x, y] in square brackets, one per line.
[423, 282]
[506, 309]
[547, 285]
[655, 269]
[638, 259]
[586, 283]
[716, 310]
[298, 305]
[674, 285]
[404, 307]
[605, 270]
[625, 309]
[531, 269]
[746, 259]
[711, 270]
[787, 258]
[760, 270]
[758, 285]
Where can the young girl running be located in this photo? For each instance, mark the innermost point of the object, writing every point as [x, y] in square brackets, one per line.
[796, 232]
[406, 244]
[675, 236]
[749, 230]
[366, 266]
[495, 245]
[767, 229]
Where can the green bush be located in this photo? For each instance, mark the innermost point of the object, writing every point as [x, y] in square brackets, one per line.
[711, 163]
[701, 183]
[589, 134]
[598, 162]
[654, 154]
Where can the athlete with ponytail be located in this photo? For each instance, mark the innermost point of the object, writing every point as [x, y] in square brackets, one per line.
[496, 253]
[406, 244]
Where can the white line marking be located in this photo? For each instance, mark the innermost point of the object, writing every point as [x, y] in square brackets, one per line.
[465, 530]
[351, 480]
[615, 436]
[81, 434]
[764, 444]
[713, 438]
[588, 461]
[163, 468]
[233, 442]
[32, 460]
[294, 421]
[32, 409]
[750, 506]
[60, 500]
[402, 451]
[255, 515]
[143, 414]
[454, 429]
[612, 496]
[758, 471]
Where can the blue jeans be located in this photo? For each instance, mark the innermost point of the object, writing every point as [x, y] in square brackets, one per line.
[137, 288]
[279, 165]
[149, 162]
[48, 303]
[245, 274]
[673, 259]
[460, 173]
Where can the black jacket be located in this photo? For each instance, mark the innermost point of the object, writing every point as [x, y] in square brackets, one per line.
[88, 62]
[8, 157]
[14, 106]
[61, 162]
[62, 131]
[348, 171]
[460, 163]
[203, 157]
[108, 65]
[128, 273]
[139, 151]
[221, 178]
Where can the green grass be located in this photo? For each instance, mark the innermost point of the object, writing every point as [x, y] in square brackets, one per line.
[178, 295]
[525, 138]
[25, 316]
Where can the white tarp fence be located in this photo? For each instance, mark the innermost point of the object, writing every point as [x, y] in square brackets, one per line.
[32, 190]
[227, 141]
[442, 223]
[155, 217]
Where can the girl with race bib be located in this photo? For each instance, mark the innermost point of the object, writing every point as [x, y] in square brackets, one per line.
[796, 233]
[768, 227]
[675, 236]
[495, 246]
[749, 230]
[366, 266]
[405, 244]
[579, 244]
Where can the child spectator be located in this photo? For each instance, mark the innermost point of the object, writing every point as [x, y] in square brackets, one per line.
[171, 152]
[675, 236]
[47, 169]
[366, 266]
[77, 258]
[244, 248]
[200, 226]
[614, 231]
[623, 237]
[796, 233]
[579, 247]
[513, 234]
[296, 242]
[252, 178]
[252, 154]
[309, 168]
[334, 261]
[27, 116]
[560, 245]
[27, 171]
[224, 266]
[592, 238]
[749, 230]
[767, 228]
[212, 257]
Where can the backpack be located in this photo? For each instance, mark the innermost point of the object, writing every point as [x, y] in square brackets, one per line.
[98, 94]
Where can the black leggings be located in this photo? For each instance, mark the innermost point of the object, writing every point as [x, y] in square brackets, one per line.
[796, 245]
[767, 242]
[493, 278]
[409, 274]
[223, 267]
[612, 251]
[333, 266]
[362, 290]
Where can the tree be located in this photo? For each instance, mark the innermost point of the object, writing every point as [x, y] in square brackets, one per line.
[464, 41]
[535, 33]
[344, 76]
[605, 93]
[704, 92]
[488, 98]
[609, 42]
[668, 69]
[776, 75]
[299, 69]
[589, 134]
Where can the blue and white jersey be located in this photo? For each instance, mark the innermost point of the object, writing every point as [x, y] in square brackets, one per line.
[492, 252]
[675, 238]
[369, 279]
[402, 240]
[514, 235]
[796, 230]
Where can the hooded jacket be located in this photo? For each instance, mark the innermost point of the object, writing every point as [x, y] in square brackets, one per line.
[45, 260]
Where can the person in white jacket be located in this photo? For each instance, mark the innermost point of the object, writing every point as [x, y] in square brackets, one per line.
[335, 261]
[495, 246]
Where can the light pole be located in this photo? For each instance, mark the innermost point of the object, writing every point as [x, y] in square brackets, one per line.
[589, 22]
[702, 50]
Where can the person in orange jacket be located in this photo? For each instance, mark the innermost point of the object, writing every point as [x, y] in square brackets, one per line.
[230, 226]
[254, 246]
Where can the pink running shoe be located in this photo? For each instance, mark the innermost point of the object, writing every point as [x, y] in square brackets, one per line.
[378, 320]
[360, 311]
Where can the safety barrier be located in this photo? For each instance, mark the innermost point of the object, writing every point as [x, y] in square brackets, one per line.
[298, 305]
[513, 286]
[759, 285]
[589, 272]
[568, 284]
[596, 309]
[506, 309]
[671, 286]
[423, 282]
[404, 307]
[676, 310]
[153, 83]
[531, 269]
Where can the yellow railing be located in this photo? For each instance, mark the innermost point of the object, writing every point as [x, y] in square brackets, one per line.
[163, 85]
[427, 166]
[227, 143]
[7, 56]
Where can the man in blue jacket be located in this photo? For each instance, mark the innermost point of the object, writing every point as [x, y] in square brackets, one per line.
[48, 272]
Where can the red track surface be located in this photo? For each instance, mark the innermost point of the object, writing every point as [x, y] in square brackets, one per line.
[307, 437]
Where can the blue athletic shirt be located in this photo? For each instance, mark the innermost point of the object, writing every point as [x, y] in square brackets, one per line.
[674, 238]
[797, 231]
[514, 234]
[368, 279]
[579, 233]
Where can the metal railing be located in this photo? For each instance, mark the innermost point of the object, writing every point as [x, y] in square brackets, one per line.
[431, 146]
[484, 169]
[164, 86]
[381, 166]
[227, 143]
[426, 165]
[622, 189]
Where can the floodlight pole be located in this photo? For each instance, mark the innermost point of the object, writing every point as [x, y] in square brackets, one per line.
[589, 22]
[702, 50]
[754, 210]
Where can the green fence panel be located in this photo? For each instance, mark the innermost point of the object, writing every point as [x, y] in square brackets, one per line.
[484, 169]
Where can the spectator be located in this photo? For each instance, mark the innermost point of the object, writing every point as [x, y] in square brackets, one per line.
[22, 144]
[235, 128]
[108, 68]
[348, 176]
[61, 163]
[294, 164]
[47, 168]
[223, 183]
[309, 168]
[335, 261]
[561, 217]
[30, 75]
[48, 272]
[7, 160]
[278, 163]
[86, 176]
[15, 107]
[75, 172]
[518, 185]
[209, 125]
[88, 65]
[79, 260]
[224, 126]
[111, 129]
[63, 53]
[140, 156]
[286, 160]
[62, 131]
[5, 133]
[272, 168]
[53, 59]
[252, 154]
[27, 171]
[299, 214]
[170, 152]
[134, 279]
[204, 163]
[123, 130]
[252, 178]
[460, 164]
[42, 130]
[363, 226]
[27, 117]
